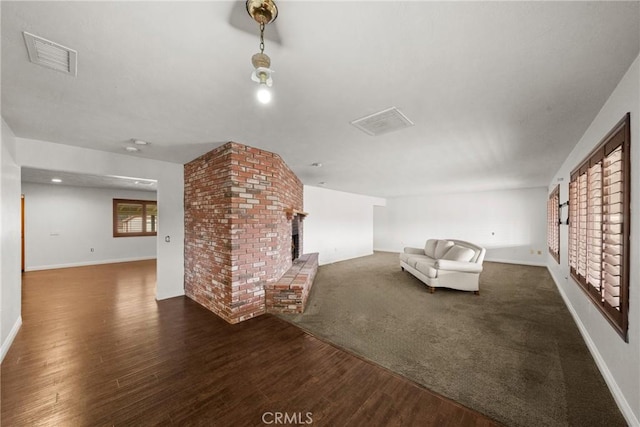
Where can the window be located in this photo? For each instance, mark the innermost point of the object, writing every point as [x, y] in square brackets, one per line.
[553, 223]
[135, 218]
[599, 223]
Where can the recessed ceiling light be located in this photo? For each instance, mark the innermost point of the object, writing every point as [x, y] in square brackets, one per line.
[316, 164]
[56, 180]
[141, 142]
[132, 149]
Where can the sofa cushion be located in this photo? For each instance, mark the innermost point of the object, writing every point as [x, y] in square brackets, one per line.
[411, 258]
[442, 247]
[427, 268]
[436, 248]
[416, 259]
[459, 253]
[405, 256]
[412, 261]
[430, 248]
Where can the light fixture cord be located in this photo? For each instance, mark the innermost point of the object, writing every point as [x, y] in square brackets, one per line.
[262, 37]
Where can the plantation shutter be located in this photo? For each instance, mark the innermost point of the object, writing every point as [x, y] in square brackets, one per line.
[594, 226]
[573, 225]
[613, 224]
[549, 224]
[599, 215]
[553, 223]
[582, 226]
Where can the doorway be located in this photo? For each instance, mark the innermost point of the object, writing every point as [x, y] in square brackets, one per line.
[22, 232]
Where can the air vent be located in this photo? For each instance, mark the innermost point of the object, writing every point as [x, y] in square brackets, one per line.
[384, 121]
[51, 55]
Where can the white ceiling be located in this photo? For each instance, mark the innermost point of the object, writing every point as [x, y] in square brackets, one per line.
[499, 92]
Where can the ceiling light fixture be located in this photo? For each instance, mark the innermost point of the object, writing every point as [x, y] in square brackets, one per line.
[56, 180]
[140, 142]
[316, 165]
[131, 149]
[263, 12]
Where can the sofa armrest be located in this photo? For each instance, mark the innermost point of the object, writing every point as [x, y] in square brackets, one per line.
[466, 267]
[415, 251]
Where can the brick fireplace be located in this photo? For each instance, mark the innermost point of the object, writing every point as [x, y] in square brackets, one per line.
[239, 205]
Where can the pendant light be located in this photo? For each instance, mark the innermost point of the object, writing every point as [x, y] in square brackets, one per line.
[263, 12]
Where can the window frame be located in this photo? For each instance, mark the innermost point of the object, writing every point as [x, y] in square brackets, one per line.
[619, 136]
[144, 231]
[553, 223]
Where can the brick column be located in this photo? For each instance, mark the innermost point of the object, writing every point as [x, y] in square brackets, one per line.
[237, 235]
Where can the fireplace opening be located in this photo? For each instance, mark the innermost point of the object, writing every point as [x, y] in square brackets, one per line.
[295, 238]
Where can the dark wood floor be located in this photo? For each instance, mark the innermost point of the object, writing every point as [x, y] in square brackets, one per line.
[95, 348]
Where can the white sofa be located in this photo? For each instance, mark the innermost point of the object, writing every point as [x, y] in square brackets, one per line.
[447, 263]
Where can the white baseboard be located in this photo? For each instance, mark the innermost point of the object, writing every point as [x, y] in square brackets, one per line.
[510, 261]
[86, 263]
[12, 335]
[343, 258]
[618, 396]
[395, 251]
[160, 297]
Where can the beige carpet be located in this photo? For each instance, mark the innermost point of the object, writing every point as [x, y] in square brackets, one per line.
[513, 353]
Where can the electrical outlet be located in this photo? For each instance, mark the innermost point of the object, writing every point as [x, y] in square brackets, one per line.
[91, 249]
[539, 252]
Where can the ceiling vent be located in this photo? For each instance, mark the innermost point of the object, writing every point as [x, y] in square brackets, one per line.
[51, 55]
[384, 121]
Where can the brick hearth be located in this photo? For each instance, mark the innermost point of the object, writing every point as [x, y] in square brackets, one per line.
[290, 293]
[237, 234]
